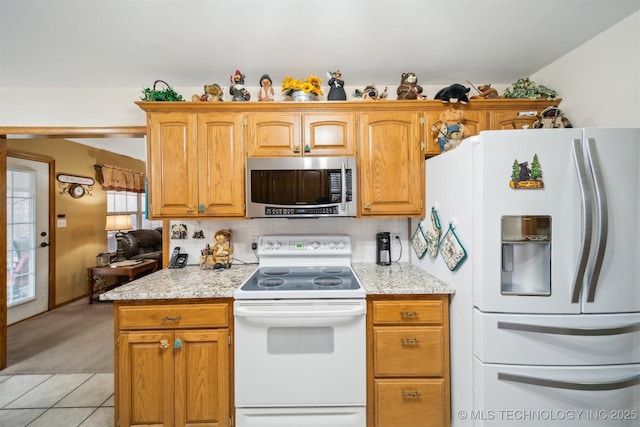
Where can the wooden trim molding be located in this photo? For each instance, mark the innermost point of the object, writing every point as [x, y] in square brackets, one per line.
[74, 132]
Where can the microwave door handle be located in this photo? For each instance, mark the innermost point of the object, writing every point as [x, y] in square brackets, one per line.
[343, 182]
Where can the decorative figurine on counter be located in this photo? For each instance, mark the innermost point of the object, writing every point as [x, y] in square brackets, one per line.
[409, 87]
[484, 91]
[371, 92]
[336, 87]
[266, 89]
[212, 93]
[237, 89]
[222, 251]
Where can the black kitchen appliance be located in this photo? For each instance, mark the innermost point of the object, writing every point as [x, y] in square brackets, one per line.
[383, 248]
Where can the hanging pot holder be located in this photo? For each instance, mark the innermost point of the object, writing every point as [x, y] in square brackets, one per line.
[419, 242]
[452, 250]
[433, 234]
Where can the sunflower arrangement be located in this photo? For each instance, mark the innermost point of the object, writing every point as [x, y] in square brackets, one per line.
[309, 85]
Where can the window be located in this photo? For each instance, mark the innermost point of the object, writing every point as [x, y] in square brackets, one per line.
[125, 202]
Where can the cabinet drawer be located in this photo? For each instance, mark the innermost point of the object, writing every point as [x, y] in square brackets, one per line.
[412, 352]
[408, 312]
[174, 316]
[410, 403]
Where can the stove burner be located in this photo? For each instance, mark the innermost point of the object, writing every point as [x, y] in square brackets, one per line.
[327, 281]
[275, 271]
[333, 270]
[271, 282]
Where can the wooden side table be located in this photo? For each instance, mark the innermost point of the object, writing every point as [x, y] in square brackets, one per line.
[128, 273]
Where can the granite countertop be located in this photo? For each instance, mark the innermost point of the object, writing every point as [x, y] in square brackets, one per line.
[192, 282]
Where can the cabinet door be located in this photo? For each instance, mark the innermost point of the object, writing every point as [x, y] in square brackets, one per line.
[220, 165]
[202, 378]
[173, 178]
[146, 378]
[329, 134]
[474, 122]
[512, 119]
[391, 165]
[274, 134]
[411, 403]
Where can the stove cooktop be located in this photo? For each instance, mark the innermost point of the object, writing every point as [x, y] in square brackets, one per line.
[302, 267]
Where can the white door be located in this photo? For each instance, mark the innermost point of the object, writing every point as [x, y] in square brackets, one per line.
[27, 238]
[512, 280]
[617, 152]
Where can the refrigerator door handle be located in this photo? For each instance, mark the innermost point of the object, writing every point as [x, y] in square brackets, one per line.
[578, 157]
[589, 386]
[555, 330]
[603, 217]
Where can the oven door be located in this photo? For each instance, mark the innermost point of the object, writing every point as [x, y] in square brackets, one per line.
[300, 353]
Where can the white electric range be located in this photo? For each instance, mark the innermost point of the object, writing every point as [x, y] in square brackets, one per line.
[300, 337]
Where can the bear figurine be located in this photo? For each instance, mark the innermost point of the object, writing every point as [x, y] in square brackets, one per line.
[212, 93]
[454, 93]
[409, 87]
[237, 89]
[450, 129]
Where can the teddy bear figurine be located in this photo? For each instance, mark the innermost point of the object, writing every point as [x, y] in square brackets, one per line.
[212, 93]
[450, 129]
[409, 87]
[237, 89]
[454, 93]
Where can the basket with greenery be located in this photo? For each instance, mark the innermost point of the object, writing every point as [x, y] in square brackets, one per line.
[156, 94]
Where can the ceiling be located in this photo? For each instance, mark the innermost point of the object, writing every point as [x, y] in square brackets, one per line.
[189, 43]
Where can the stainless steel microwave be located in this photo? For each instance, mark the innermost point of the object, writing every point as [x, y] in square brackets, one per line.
[301, 187]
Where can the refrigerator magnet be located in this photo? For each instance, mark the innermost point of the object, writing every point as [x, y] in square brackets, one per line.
[419, 242]
[452, 250]
[433, 234]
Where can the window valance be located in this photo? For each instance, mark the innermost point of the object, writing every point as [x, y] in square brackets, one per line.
[120, 179]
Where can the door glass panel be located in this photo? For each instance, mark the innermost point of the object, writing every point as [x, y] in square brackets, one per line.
[21, 205]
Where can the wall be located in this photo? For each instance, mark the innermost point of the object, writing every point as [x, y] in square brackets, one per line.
[599, 81]
[362, 232]
[84, 237]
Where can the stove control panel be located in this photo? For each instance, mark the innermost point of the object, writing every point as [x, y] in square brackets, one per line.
[301, 245]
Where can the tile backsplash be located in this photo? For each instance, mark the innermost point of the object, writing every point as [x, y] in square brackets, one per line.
[362, 232]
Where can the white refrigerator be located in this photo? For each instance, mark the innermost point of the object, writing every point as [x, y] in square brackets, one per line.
[545, 321]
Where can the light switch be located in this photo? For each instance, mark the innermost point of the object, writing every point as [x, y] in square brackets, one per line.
[62, 222]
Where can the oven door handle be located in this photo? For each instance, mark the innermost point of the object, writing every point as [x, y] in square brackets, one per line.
[349, 312]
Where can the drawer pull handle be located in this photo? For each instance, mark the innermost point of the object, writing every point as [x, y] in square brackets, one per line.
[171, 319]
[408, 314]
[409, 340]
[411, 394]
[164, 344]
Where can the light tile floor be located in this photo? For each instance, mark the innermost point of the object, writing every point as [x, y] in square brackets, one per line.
[61, 400]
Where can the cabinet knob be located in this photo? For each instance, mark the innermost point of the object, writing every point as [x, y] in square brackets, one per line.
[177, 343]
[367, 206]
[296, 149]
[190, 209]
[164, 344]
[409, 340]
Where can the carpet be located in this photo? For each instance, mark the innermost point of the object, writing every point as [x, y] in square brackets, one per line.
[75, 338]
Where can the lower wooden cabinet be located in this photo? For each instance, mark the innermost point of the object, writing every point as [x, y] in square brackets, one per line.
[173, 365]
[408, 362]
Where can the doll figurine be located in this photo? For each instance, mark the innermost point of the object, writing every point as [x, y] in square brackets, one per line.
[336, 87]
[222, 251]
[266, 89]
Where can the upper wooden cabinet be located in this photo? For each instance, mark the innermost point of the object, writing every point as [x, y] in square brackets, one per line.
[196, 165]
[197, 150]
[273, 134]
[391, 164]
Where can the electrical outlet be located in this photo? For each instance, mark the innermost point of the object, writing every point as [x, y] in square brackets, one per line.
[254, 242]
[395, 238]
